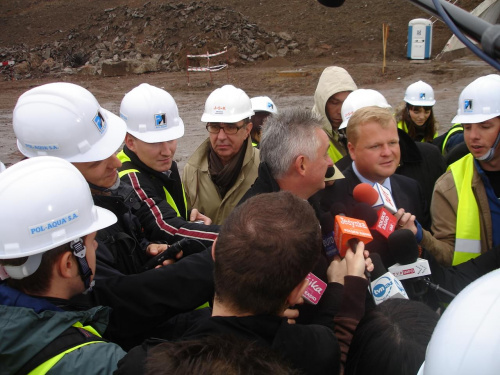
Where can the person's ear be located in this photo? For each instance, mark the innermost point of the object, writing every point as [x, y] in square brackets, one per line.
[295, 295]
[213, 250]
[249, 128]
[300, 164]
[130, 142]
[66, 265]
[350, 148]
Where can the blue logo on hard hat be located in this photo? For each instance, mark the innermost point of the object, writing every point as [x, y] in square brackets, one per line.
[160, 121]
[468, 105]
[422, 96]
[270, 105]
[99, 122]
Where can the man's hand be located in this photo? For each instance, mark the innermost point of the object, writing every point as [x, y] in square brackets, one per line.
[291, 315]
[156, 248]
[197, 216]
[337, 270]
[406, 220]
[359, 261]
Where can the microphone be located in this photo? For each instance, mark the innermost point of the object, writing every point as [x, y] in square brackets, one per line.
[327, 223]
[348, 232]
[331, 3]
[404, 248]
[385, 285]
[315, 289]
[403, 245]
[381, 199]
[187, 245]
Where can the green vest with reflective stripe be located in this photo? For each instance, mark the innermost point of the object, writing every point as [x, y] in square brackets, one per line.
[468, 231]
[334, 154]
[456, 128]
[47, 365]
[124, 159]
[402, 126]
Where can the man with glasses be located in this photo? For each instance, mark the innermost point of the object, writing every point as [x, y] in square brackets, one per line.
[225, 165]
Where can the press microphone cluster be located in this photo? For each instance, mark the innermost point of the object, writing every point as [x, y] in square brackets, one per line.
[404, 248]
[380, 199]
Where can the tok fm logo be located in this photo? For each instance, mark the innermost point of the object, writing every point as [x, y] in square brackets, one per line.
[99, 122]
[160, 120]
[468, 105]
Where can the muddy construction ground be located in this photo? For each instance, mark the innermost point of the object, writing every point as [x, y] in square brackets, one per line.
[55, 40]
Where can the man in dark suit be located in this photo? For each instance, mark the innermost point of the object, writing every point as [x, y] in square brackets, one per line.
[373, 145]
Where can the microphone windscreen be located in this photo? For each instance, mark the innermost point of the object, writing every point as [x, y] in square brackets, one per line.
[403, 246]
[364, 211]
[365, 193]
[378, 266]
[331, 3]
[338, 208]
[330, 171]
[327, 222]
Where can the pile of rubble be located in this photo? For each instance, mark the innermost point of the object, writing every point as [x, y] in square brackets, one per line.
[154, 37]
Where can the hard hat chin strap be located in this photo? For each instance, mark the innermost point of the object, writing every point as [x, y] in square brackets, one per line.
[79, 251]
[491, 152]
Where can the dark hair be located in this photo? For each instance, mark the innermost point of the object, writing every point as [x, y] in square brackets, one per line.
[265, 248]
[214, 355]
[391, 339]
[39, 282]
[430, 126]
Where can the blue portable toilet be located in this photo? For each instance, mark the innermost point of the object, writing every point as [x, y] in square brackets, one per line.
[419, 39]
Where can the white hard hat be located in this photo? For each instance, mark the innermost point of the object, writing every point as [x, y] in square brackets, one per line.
[359, 99]
[227, 104]
[420, 94]
[151, 114]
[466, 339]
[2, 167]
[65, 120]
[263, 104]
[45, 202]
[479, 101]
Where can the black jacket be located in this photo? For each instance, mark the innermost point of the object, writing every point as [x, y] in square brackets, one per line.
[419, 160]
[142, 301]
[159, 220]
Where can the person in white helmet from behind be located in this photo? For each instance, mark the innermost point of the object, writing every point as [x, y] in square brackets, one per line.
[47, 257]
[466, 339]
[417, 116]
[465, 207]
[419, 160]
[226, 164]
[153, 127]
[66, 121]
[263, 107]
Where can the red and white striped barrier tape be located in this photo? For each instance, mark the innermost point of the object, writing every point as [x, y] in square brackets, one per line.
[210, 69]
[9, 63]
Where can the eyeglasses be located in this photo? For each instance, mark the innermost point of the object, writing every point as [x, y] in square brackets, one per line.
[215, 127]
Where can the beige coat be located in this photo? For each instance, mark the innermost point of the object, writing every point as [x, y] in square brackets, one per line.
[201, 192]
[444, 208]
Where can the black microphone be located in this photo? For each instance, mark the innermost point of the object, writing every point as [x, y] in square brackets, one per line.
[187, 245]
[404, 248]
[331, 3]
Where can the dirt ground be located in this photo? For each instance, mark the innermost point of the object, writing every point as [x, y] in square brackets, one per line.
[349, 36]
[447, 79]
